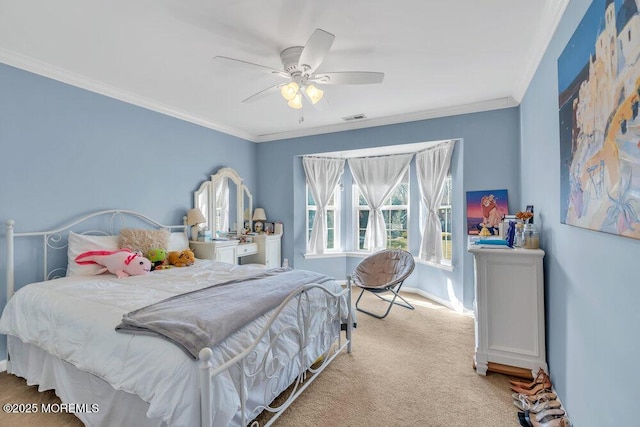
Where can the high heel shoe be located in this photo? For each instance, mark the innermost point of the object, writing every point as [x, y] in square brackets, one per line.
[540, 377]
[561, 421]
[535, 390]
[528, 419]
[532, 400]
[536, 407]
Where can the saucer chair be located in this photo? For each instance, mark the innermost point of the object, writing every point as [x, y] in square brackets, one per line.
[384, 271]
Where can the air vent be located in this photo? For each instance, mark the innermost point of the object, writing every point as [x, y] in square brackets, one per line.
[354, 117]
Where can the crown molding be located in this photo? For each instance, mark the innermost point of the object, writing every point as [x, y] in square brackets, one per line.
[35, 66]
[551, 16]
[476, 107]
[47, 70]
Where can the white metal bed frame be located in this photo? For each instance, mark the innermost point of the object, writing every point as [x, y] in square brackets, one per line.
[248, 361]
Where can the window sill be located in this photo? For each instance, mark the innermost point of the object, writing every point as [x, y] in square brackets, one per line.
[336, 255]
[446, 267]
[324, 255]
[441, 266]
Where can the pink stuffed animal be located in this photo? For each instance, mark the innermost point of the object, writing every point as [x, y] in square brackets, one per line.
[122, 263]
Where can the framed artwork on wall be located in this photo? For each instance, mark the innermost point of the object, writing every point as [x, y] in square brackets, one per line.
[486, 209]
[599, 93]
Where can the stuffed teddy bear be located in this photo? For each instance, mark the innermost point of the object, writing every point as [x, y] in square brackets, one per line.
[122, 263]
[183, 258]
[158, 258]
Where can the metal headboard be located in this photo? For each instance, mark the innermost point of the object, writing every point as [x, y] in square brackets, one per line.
[115, 219]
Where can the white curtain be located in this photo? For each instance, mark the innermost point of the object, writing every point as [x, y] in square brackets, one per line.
[222, 200]
[377, 177]
[323, 175]
[432, 168]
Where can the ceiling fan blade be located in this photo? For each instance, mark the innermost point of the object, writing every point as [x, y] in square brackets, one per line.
[348, 78]
[263, 93]
[251, 65]
[316, 49]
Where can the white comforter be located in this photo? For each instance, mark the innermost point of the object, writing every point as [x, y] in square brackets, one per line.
[74, 319]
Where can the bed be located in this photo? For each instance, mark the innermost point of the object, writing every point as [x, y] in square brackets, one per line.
[61, 335]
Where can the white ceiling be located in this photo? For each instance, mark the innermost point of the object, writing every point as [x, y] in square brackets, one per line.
[440, 57]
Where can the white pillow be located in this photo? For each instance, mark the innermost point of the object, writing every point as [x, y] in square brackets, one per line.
[80, 243]
[178, 242]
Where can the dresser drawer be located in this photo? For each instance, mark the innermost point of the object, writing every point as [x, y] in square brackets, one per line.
[247, 249]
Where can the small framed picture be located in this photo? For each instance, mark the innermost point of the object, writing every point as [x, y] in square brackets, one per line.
[268, 227]
[530, 209]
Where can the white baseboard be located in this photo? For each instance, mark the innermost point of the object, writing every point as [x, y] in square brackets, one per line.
[439, 300]
[3, 365]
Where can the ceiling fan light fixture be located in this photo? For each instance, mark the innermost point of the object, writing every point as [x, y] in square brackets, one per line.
[314, 93]
[289, 91]
[296, 102]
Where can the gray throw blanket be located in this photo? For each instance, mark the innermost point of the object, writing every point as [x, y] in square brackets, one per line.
[205, 317]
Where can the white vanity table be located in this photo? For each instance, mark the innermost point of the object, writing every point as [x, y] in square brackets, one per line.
[264, 250]
[217, 250]
[227, 205]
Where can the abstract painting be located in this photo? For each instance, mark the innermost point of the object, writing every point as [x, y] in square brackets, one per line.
[599, 93]
[486, 209]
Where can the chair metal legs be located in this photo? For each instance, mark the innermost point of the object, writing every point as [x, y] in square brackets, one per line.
[390, 301]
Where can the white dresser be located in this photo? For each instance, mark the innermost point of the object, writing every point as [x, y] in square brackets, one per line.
[269, 251]
[509, 311]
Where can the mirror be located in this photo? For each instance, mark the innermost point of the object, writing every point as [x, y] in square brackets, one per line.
[201, 200]
[247, 208]
[222, 201]
[226, 206]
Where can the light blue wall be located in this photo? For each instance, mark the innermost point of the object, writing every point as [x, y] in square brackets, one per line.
[592, 278]
[66, 152]
[485, 158]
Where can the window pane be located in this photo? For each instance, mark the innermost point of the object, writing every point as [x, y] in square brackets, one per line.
[331, 219]
[361, 199]
[397, 219]
[446, 197]
[332, 199]
[331, 215]
[312, 215]
[396, 223]
[361, 233]
[330, 238]
[400, 196]
[363, 218]
[445, 214]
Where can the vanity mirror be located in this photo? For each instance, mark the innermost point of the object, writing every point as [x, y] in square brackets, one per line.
[247, 204]
[223, 201]
[227, 205]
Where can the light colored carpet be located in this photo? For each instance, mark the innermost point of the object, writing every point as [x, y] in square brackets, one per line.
[413, 368]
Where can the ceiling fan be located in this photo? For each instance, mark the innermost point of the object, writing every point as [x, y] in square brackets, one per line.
[300, 65]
